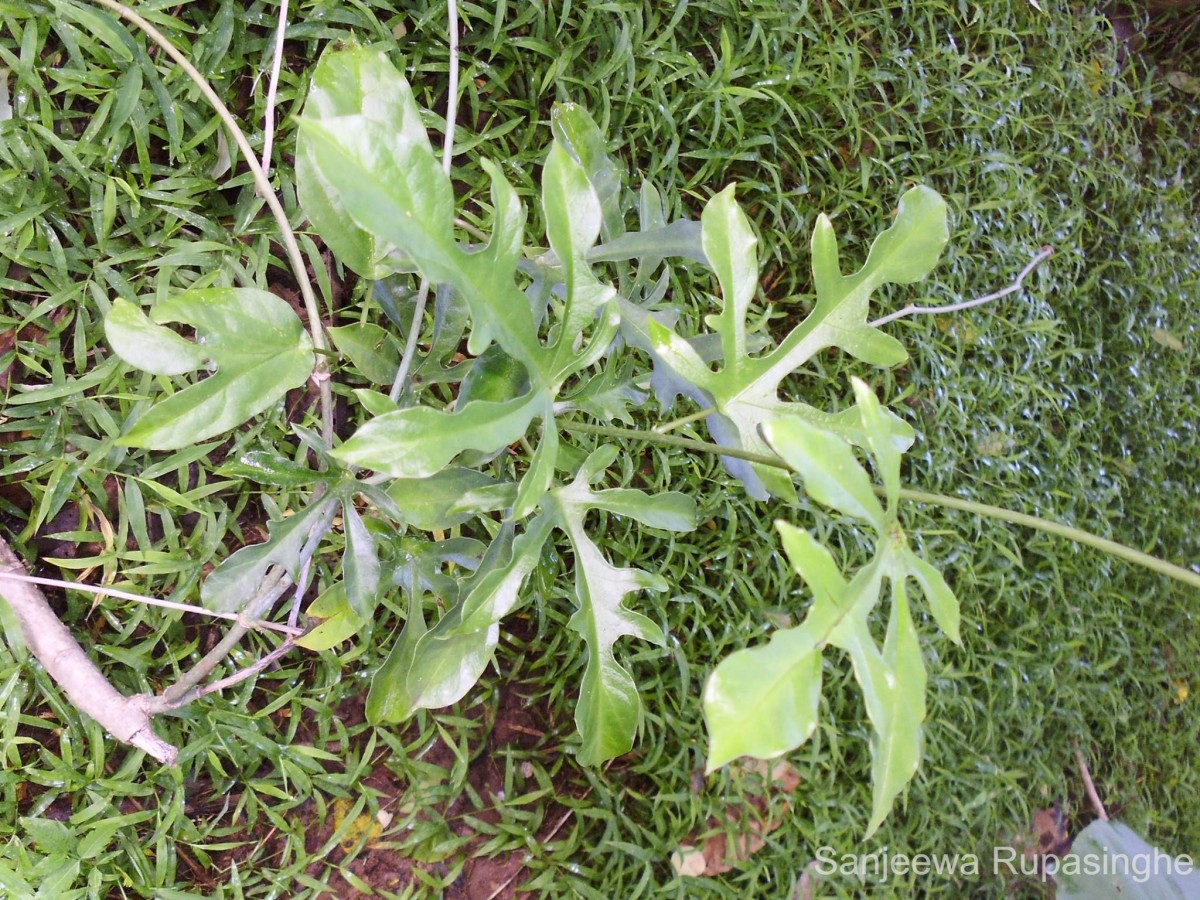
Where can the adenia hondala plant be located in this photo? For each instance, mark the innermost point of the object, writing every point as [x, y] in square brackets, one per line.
[552, 333]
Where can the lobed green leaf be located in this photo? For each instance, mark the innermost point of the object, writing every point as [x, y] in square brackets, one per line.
[826, 463]
[235, 582]
[256, 342]
[419, 441]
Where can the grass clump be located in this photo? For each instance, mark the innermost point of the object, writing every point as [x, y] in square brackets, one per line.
[1075, 401]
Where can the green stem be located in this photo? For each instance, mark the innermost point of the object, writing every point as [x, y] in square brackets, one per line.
[1077, 535]
[685, 420]
[670, 440]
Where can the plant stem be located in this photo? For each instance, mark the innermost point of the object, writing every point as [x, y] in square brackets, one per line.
[452, 88]
[273, 87]
[272, 588]
[670, 440]
[1045, 253]
[263, 185]
[1077, 535]
[238, 677]
[685, 420]
[414, 330]
[105, 591]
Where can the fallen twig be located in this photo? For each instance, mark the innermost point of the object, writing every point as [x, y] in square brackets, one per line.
[52, 643]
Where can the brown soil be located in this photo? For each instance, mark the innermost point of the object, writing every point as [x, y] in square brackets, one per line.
[516, 725]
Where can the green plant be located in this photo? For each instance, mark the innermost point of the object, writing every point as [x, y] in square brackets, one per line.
[532, 377]
[552, 341]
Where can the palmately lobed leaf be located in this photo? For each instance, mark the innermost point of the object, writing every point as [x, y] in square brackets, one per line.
[609, 710]
[372, 164]
[762, 701]
[255, 341]
[744, 390]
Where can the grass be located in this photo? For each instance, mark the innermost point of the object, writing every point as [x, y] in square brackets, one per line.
[1069, 401]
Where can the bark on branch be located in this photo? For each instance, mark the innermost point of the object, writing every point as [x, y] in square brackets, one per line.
[126, 718]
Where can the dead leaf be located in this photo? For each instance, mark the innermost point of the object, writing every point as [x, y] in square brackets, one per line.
[364, 824]
[809, 880]
[1181, 692]
[1094, 77]
[688, 862]
[1182, 81]
[780, 773]
[1166, 339]
[1047, 836]
[745, 829]
[956, 327]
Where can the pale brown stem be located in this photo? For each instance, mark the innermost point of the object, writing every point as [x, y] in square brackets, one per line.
[1090, 787]
[52, 643]
[1045, 253]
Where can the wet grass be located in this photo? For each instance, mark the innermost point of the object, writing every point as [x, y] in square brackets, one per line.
[1075, 400]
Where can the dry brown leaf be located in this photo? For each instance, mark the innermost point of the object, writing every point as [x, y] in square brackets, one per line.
[1166, 339]
[809, 880]
[1047, 836]
[689, 862]
[748, 827]
[780, 773]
